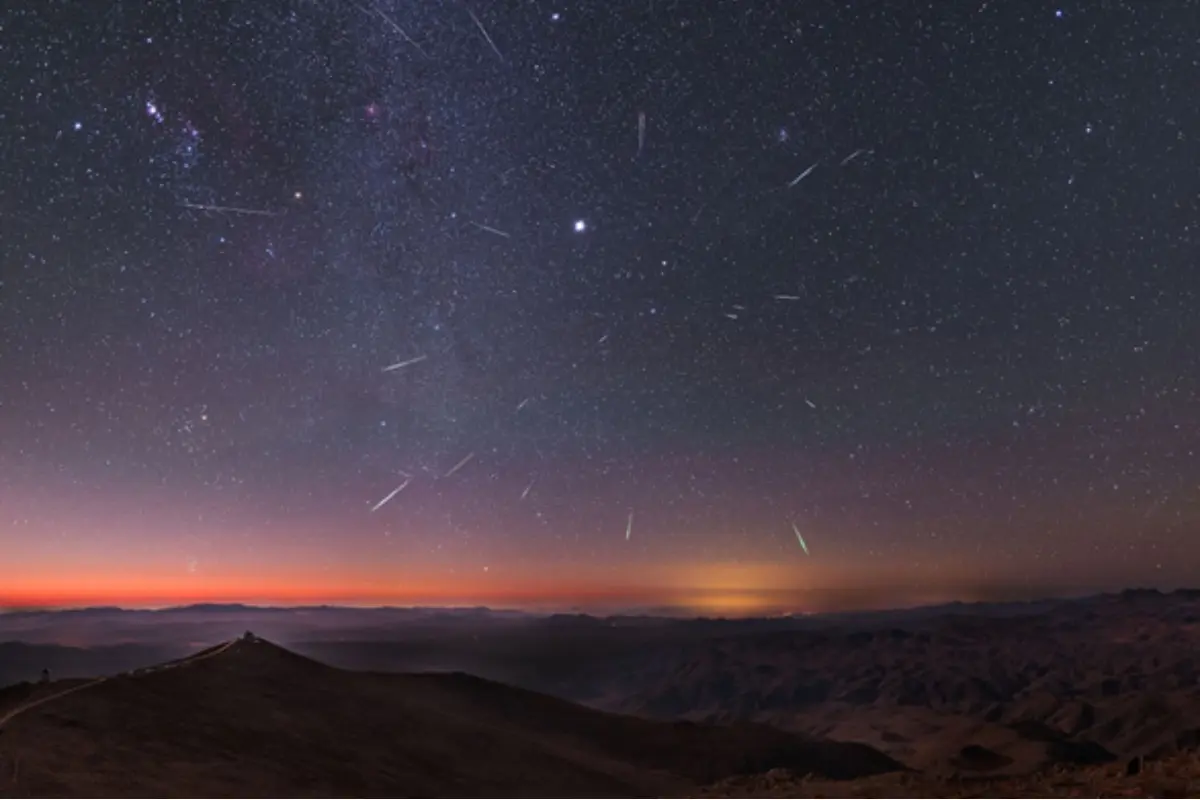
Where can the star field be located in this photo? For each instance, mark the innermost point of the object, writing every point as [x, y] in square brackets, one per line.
[584, 302]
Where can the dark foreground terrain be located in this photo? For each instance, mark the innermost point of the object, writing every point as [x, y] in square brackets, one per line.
[964, 692]
[251, 719]
[1052, 698]
[1175, 776]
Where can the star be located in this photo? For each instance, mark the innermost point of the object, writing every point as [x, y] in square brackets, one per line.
[349, 237]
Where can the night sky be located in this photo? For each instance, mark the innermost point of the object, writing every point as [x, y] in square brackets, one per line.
[628, 296]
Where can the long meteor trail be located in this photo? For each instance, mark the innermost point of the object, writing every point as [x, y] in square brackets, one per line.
[390, 495]
[403, 364]
[799, 538]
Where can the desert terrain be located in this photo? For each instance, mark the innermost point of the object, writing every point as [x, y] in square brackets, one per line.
[248, 718]
[1082, 682]
[1053, 698]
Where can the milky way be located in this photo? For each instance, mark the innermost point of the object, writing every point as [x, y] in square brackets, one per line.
[913, 285]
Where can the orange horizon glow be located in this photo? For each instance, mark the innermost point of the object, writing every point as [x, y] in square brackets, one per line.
[730, 589]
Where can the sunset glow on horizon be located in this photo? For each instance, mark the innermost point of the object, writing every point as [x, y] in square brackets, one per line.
[729, 588]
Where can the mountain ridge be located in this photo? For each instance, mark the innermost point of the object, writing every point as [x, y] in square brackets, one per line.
[251, 718]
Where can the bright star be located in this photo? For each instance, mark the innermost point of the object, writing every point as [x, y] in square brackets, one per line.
[580, 226]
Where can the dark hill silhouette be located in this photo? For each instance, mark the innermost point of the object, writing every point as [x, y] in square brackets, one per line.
[1072, 682]
[249, 718]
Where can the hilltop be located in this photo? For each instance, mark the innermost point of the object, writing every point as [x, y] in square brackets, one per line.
[249, 718]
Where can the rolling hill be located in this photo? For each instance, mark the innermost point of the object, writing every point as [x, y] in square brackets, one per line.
[249, 718]
[1076, 682]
